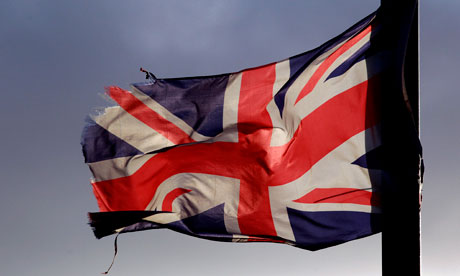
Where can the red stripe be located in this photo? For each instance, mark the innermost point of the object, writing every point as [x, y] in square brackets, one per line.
[171, 196]
[328, 62]
[255, 129]
[143, 113]
[254, 122]
[340, 195]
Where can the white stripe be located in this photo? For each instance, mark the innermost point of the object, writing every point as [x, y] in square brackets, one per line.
[230, 114]
[134, 132]
[240, 238]
[117, 167]
[282, 76]
[163, 218]
[321, 207]
[283, 72]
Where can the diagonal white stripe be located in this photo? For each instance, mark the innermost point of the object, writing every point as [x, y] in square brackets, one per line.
[326, 90]
[134, 132]
[158, 108]
[117, 167]
[357, 74]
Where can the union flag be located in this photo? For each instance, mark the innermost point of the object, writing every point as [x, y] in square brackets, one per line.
[286, 152]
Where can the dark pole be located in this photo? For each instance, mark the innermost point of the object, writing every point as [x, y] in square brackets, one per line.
[400, 130]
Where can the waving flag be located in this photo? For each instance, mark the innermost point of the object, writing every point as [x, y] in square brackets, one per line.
[286, 152]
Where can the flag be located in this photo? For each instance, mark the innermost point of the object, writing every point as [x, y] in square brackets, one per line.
[287, 152]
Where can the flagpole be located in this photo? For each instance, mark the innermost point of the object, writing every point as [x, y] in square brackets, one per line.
[401, 252]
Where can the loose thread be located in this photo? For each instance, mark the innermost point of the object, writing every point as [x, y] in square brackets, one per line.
[149, 75]
[114, 255]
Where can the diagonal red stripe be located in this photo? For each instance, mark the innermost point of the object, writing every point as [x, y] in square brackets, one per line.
[143, 113]
[328, 62]
[329, 126]
[340, 195]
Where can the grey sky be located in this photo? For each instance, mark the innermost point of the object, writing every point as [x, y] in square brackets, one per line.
[56, 57]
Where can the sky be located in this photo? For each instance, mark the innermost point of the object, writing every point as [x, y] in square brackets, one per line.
[56, 57]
